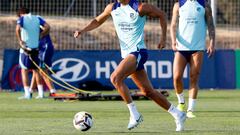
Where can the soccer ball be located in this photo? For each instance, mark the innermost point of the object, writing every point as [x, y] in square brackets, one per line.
[83, 121]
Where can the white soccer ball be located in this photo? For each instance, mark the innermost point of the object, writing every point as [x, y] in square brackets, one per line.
[83, 121]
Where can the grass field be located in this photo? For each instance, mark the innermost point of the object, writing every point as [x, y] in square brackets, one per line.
[218, 112]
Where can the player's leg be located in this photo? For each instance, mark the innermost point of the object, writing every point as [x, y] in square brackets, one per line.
[33, 84]
[46, 54]
[48, 83]
[38, 79]
[140, 78]
[35, 60]
[126, 67]
[195, 67]
[25, 80]
[179, 65]
[24, 64]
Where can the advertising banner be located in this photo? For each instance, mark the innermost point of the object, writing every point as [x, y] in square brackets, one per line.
[92, 69]
[237, 53]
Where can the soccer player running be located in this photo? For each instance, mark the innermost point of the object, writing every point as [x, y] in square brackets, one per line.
[46, 51]
[188, 34]
[129, 18]
[28, 33]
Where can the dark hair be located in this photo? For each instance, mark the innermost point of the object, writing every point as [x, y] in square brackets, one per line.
[22, 10]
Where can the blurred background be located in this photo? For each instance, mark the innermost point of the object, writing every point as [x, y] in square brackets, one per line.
[65, 16]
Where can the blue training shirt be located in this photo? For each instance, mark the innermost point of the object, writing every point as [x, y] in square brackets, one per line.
[30, 29]
[46, 38]
[191, 33]
[129, 26]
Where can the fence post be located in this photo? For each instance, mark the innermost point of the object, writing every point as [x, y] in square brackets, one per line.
[94, 8]
[214, 11]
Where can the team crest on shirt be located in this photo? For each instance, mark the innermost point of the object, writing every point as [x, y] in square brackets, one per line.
[198, 9]
[132, 16]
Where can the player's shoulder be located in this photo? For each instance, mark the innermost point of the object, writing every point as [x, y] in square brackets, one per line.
[176, 4]
[110, 6]
[38, 16]
[20, 20]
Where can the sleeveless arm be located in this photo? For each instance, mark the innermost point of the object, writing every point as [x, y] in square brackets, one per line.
[154, 12]
[173, 27]
[211, 30]
[95, 23]
[210, 24]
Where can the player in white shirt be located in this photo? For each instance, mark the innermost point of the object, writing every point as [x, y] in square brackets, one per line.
[190, 21]
[129, 18]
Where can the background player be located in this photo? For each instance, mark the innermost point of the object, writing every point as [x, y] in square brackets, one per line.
[28, 33]
[46, 51]
[189, 41]
[129, 18]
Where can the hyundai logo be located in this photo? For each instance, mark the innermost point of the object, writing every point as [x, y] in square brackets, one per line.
[71, 69]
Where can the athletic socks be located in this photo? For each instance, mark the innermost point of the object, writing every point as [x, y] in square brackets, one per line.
[52, 91]
[133, 110]
[26, 91]
[174, 111]
[191, 104]
[180, 98]
[40, 90]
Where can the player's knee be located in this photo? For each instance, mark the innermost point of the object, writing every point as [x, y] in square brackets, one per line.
[115, 79]
[194, 77]
[177, 78]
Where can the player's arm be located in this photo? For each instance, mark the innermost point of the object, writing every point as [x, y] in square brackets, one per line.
[173, 27]
[211, 30]
[18, 34]
[153, 11]
[45, 29]
[99, 20]
[21, 43]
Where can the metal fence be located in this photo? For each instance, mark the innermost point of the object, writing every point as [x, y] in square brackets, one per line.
[65, 16]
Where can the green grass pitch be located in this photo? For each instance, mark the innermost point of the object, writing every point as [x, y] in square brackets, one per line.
[218, 113]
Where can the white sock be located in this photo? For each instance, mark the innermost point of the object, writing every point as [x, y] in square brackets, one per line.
[191, 104]
[26, 91]
[174, 111]
[52, 91]
[180, 98]
[133, 110]
[30, 90]
[40, 90]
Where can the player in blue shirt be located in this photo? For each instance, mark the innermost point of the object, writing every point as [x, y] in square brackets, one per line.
[46, 51]
[192, 17]
[129, 18]
[28, 33]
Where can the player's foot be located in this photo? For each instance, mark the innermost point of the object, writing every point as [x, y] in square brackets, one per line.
[134, 123]
[52, 94]
[180, 121]
[181, 107]
[190, 114]
[39, 97]
[25, 97]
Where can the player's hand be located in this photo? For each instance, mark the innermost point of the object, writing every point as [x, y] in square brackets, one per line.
[77, 33]
[22, 44]
[162, 44]
[210, 50]
[174, 46]
[33, 52]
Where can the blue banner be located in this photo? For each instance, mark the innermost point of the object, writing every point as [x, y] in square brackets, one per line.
[81, 68]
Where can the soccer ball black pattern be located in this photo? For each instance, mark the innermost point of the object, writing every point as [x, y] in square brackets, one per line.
[83, 121]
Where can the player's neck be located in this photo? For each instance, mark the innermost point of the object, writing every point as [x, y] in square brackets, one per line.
[124, 2]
